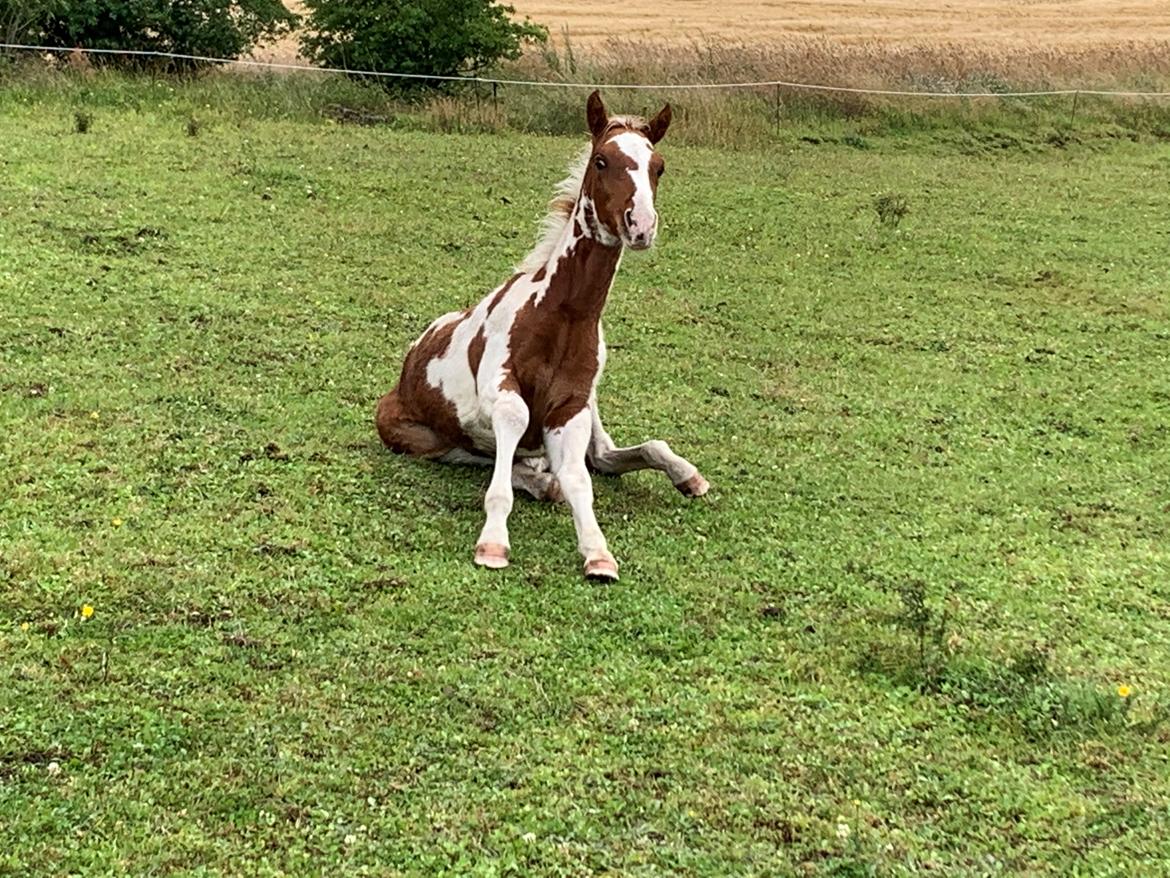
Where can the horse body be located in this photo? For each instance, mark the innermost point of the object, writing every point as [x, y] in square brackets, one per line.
[512, 382]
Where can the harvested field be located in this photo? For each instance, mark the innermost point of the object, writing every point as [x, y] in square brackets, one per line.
[1010, 24]
[1028, 26]
[989, 45]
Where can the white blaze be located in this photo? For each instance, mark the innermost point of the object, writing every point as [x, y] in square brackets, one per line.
[639, 150]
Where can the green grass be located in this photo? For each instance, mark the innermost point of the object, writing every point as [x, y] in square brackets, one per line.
[888, 642]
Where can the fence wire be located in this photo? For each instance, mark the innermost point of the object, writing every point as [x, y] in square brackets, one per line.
[544, 83]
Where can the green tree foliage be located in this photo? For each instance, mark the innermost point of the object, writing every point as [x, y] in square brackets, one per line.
[21, 21]
[424, 37]
[215, 28]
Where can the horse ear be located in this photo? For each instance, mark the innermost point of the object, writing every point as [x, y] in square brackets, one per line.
[596, 114]
[659, 124]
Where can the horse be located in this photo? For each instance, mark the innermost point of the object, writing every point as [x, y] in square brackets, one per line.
[512, 382]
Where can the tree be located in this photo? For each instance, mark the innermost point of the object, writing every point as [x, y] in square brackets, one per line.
[422, 37]
[21, 21]
[213, 28]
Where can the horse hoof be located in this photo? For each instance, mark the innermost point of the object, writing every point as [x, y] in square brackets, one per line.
[601, 569]
[553, 493]
[695, 486]
[491, 555]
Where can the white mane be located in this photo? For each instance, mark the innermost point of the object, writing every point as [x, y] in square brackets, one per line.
[560, 211]
[564, 200]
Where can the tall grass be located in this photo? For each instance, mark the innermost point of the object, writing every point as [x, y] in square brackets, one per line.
[749, 114]
[926, 66]
[741, 116]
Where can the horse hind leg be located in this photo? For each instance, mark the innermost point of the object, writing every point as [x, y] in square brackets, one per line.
[529, 475]
[403, 435]
[541, 485]
[607, 458]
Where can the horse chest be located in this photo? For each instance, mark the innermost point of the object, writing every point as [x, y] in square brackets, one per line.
[554, 368]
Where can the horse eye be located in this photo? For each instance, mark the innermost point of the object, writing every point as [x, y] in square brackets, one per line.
[661, 170]
[599, 162]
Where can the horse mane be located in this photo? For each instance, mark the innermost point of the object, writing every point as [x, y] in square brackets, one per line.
[564, 200]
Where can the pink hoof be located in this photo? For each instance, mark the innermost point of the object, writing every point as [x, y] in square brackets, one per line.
[603, 569]
[491, 555]
[695, 486]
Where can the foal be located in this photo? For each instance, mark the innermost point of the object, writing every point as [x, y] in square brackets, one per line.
[513, 381]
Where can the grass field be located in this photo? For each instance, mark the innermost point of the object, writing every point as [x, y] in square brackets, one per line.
[928, 377]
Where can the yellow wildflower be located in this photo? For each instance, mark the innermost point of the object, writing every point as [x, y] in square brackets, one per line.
[86, 611]
[1124, 691]
[116, 522]
[94, 415]
[24, 626]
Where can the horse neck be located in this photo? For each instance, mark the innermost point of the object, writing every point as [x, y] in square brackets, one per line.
[582, 268]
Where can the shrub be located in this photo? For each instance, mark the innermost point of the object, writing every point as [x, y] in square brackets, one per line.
[891, 208]
[21, 21]
[422, 37]
[214, 28]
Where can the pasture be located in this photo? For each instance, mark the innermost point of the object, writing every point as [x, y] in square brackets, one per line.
[921, 623]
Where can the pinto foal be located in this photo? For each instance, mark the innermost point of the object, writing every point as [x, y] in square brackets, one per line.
[513, 381]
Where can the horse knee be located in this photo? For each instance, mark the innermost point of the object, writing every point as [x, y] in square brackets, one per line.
[573, 480]
[510, 414]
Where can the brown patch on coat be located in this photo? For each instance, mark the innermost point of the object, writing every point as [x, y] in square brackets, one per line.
[415, 418]
[475, 354]
[553, 345]
[503, 291]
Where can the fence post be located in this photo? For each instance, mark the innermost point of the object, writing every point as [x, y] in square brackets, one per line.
[777, 110]
[495, 102]
[1072, 119]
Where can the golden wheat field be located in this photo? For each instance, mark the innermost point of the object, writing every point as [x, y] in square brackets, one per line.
[861, 43]
[1006, 22]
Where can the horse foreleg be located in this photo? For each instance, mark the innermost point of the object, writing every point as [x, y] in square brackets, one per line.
[567, 446]
[606, 457]
[509, 420]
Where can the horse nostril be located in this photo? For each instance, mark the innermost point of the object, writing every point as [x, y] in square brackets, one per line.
[630, 219]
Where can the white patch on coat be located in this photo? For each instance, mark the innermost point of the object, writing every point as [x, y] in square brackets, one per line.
[596, 228]
[473, 396]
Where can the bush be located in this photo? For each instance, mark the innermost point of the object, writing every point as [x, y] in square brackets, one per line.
[21, 21]
[422, 37]
[215, 28]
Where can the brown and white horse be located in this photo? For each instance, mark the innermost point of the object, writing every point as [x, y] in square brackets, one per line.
[513, 381]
